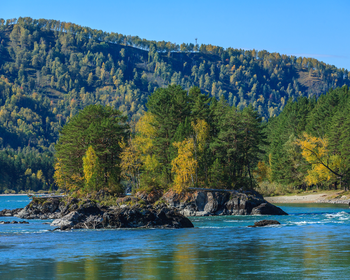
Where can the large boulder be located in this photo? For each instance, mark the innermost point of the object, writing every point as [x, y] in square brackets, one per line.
[265, 223]
[204, 203]
[267, 209]
[149, 217]
[41, 208]
[70, 219]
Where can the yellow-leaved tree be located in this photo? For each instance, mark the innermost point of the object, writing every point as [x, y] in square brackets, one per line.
[138, 155]
[64, 181]
[325, 166]
[184, 165]
[201, 135]
[130, 162]
[92, 170]
[262, 172]
[58, 176]
[201, 129]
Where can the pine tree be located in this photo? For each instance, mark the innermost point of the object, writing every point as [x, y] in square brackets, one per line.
[102, 128]
[170, 107]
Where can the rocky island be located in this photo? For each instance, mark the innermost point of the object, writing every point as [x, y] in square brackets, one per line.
[143, 210]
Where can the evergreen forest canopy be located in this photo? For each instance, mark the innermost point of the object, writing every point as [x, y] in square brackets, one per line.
[309, 145]
[49, 70]
[183, 140]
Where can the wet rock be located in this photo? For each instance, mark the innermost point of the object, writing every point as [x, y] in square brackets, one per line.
[13, 222]
[9, 212]
[267, 209]
[65, 227]
[264, 223]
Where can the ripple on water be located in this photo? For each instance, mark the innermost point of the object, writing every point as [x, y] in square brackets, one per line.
[312, 242]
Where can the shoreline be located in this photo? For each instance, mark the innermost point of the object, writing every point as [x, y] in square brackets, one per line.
[16, 194]
[308, 198]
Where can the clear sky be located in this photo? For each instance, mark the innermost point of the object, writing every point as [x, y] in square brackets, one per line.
[318, 29]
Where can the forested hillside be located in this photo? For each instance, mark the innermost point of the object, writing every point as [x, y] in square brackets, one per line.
[49, 70]
[309, 144]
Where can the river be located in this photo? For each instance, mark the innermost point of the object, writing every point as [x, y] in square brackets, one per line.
[313, 242]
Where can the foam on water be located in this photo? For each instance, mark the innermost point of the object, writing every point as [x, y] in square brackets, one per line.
[341, 215]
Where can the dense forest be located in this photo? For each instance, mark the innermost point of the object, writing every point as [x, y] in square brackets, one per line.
[185, 139]
[309, 145]
[49, 70]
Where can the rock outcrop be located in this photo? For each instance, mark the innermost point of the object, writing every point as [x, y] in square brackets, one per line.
[264, 223]
[41, 208]
[87, 214]
[205, 203]
[143, 210]
[13, 222]
[9, 212]
[124, 217]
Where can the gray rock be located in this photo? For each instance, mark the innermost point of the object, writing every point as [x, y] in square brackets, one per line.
[264, 223]
[212, 203]
[203, 203]
[9, 212]
[69, 220]
[201, 213]
[267, 209]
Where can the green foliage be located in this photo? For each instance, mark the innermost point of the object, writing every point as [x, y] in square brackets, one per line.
[19, 169]
[49, 70]
[299, 134]
[170, 107]
[96, 133]
[92, 170]
[222, 153]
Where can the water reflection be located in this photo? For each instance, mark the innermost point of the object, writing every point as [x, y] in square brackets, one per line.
[305, 246]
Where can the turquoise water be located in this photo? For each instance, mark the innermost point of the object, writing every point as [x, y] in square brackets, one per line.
[312, 243]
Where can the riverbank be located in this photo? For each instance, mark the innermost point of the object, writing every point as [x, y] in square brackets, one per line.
[335, 197]
[17, 194]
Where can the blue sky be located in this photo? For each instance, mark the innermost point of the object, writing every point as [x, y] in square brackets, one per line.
[318, 29]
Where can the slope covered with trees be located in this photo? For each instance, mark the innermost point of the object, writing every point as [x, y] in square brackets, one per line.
[49, 70]
[309, 144]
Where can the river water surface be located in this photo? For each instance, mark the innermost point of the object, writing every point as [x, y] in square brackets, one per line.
[313, 242]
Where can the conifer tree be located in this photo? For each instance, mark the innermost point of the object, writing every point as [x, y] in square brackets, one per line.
[170, 107]
[102, 128]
